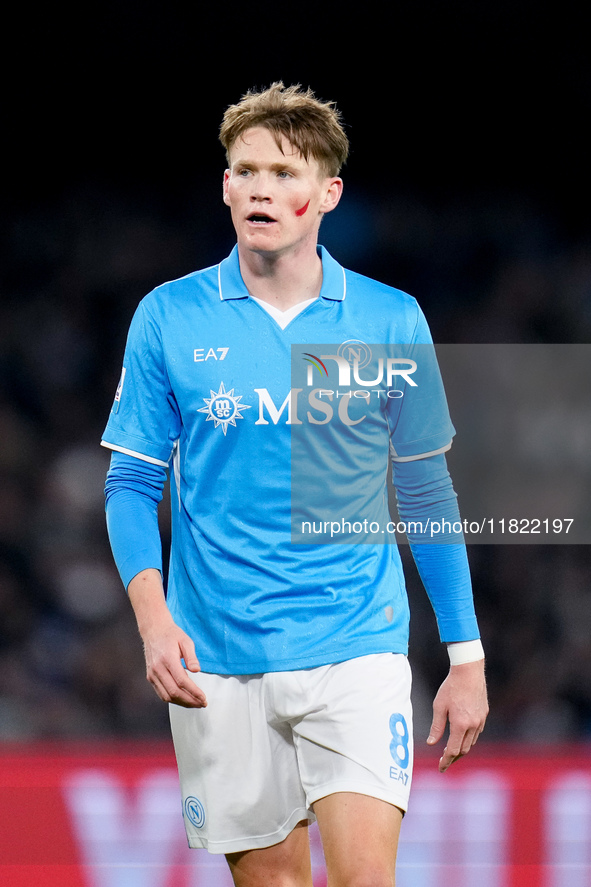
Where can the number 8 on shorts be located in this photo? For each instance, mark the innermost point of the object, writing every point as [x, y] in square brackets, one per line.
[400, 736]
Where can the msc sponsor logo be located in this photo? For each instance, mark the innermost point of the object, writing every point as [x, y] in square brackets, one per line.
[223, 408]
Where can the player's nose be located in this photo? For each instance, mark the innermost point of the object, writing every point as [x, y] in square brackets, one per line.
[260, 197]
[261, 189]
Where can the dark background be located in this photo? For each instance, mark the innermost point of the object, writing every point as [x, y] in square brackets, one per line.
[467, 185]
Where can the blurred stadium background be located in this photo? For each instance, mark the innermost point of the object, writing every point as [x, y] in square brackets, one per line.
[467, 186]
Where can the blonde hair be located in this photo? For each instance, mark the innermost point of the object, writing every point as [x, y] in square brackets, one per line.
[312, 126]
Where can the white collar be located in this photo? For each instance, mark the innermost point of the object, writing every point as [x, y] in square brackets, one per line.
[284, 317]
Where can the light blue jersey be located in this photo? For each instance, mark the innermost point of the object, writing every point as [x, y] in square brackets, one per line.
[208, 386]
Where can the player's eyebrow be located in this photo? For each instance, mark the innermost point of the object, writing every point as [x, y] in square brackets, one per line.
[273, 167]
[289, 166]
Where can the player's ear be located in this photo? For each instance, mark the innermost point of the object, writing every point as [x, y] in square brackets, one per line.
[225, 187]
[333, 194]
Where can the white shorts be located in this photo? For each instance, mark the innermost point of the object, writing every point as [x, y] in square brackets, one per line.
[252, 763]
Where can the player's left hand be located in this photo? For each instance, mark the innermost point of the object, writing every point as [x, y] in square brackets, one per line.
[462, 700]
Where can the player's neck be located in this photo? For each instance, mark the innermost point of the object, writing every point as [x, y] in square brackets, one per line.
[282, 280]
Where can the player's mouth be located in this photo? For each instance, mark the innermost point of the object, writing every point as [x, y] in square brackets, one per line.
[260, 219]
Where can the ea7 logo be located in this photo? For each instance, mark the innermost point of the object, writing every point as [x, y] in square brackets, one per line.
[200, 354]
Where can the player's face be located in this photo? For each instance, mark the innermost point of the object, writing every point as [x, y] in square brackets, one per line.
[276, 197]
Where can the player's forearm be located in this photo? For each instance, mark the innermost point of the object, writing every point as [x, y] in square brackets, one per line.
[146, 594]
[445, 573]
[168, 650]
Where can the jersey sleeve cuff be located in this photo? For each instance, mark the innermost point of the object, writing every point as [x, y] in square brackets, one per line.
[425, 455]
[439, 441]
[139, 448]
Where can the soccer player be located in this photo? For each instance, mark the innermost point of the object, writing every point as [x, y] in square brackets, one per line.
[285, 662]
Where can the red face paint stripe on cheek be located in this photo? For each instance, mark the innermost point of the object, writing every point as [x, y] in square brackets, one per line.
[300, 212]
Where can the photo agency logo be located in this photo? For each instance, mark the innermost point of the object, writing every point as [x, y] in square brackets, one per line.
[353, 373]
[352, 395]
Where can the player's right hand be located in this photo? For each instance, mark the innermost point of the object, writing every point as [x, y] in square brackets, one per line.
[164, 651]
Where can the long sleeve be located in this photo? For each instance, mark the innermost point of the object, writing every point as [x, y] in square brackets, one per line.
[425, 494]
[132, 492]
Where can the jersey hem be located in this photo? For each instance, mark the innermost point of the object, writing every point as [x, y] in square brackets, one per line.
[265, 666]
